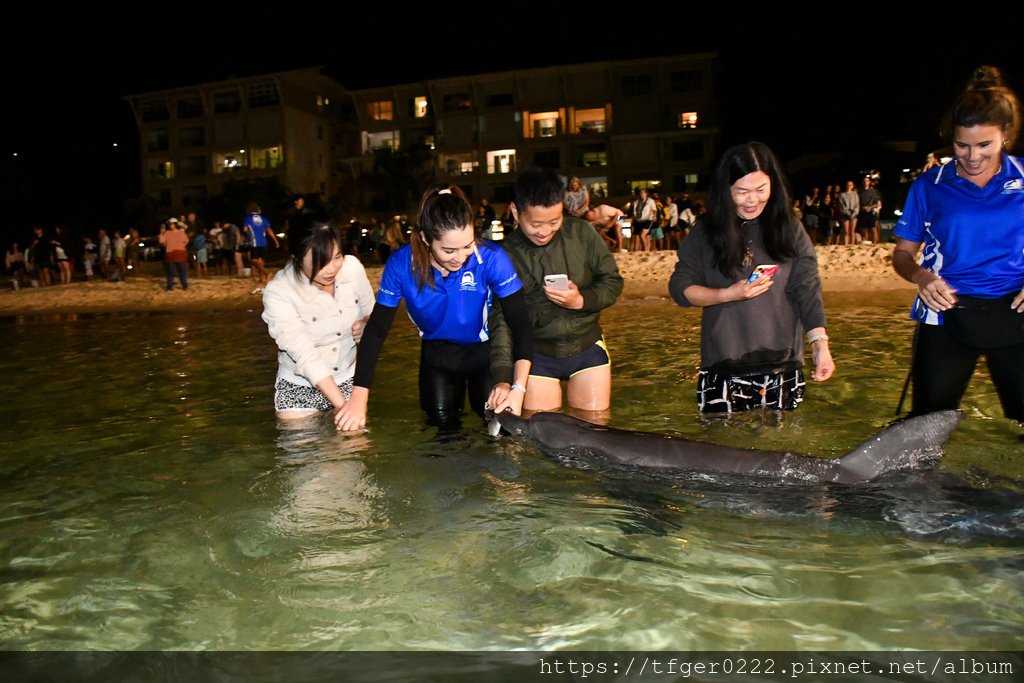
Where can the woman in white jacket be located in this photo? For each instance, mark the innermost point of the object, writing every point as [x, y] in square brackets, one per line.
[316, 308]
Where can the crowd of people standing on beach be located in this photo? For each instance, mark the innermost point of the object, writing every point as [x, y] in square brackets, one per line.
[655, 223]
[183, 244]
[842, 214]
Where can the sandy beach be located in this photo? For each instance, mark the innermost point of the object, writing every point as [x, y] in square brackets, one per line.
[843, 269]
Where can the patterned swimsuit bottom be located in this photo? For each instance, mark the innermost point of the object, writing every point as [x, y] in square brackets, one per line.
[721, 393]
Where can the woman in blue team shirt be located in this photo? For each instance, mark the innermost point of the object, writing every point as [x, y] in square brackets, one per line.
[447, 278]
[969, 213]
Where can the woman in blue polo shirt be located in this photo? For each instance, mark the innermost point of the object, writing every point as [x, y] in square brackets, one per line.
[969, 214]
[448, 278]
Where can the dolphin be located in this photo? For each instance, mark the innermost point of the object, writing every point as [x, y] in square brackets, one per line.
[901, 445]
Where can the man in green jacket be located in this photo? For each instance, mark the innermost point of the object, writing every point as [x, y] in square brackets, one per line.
[568, 277]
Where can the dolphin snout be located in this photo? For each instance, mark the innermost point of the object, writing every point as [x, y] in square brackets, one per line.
[511, 423]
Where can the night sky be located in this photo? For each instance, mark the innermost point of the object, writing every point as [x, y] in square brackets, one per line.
[841, 84]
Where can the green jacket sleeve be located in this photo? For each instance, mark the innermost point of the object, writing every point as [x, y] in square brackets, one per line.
[607, 283]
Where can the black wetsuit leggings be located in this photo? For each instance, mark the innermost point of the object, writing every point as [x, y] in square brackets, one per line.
[943, 368]
[447, 371]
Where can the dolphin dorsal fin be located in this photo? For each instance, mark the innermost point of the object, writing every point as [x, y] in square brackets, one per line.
[903, 444]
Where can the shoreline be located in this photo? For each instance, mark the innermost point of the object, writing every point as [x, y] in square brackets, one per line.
[857, 268]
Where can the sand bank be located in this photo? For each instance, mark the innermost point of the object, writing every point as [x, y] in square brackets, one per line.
[843, 269]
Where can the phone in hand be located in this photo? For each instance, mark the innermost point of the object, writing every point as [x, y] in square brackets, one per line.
[764, 270]
[558, 281]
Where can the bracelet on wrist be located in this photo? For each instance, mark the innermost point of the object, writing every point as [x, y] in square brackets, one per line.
[816, 338]
[517, 387]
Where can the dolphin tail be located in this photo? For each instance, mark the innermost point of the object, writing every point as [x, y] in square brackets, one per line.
[902, 444]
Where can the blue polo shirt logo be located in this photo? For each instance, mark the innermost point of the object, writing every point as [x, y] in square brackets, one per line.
[456, 307]
[1013, 186]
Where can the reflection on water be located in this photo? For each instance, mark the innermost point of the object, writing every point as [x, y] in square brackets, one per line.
[151, 501]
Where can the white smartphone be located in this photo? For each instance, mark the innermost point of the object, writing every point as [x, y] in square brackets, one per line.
[559, 281]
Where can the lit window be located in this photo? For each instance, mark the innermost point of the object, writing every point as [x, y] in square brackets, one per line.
[161, 170]
[267, 157]
[688, 119]
[590, 121]
[544, 124]
[636, 185]
[229, 162]
[597, 187]
[381, 111]
[388, 139]
[460, 164]
[596, 157]
[420, 108]
[501, 161]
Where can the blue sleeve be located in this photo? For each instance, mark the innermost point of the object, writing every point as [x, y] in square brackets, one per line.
[502, 278]
[390, 291]
[911, 224]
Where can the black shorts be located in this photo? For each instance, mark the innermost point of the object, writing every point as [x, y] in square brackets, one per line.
[642, 226]
[259, 252]
[866, 219]
[548, 367]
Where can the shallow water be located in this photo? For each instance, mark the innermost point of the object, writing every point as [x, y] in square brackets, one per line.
[151, 501]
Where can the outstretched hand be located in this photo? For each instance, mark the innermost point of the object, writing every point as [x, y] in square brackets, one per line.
[351, 417]
[503, 399]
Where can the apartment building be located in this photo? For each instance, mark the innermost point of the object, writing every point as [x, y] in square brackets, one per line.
[195, 139]
[617, 125]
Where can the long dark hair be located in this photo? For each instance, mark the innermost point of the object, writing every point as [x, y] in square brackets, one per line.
[442, 208]
[986, 101]
[725, 228]
[317, 238]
